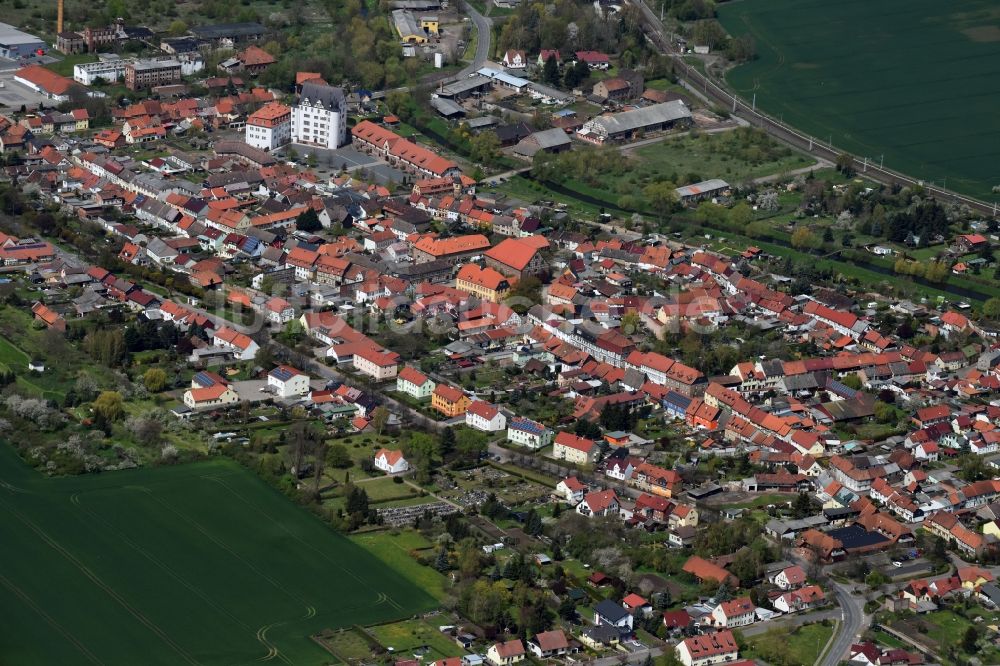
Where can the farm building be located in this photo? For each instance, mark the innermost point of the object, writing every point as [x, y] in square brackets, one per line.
[629, 124]
[703, 190]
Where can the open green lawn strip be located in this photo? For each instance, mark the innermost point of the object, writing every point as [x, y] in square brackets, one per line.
[396, 551]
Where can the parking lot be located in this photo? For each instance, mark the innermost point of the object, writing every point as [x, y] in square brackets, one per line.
[13, 94]
[331, 162]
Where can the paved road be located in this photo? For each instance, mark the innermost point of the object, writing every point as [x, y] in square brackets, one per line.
[654, 31]
[547, 465]
[787, 622]
[484, 30]
[854, 623]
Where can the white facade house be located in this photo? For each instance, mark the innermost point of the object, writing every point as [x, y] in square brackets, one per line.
[484, 416]
[269, 127]
[514, 59]
[799, 600]
[574, 449]
[391, 461]
[319, 118]
[377, 364]
[529, 434]
[790, 577]
[287, 382]
[414, 383]
[241, 345]
[571, 489]
[738, 612]
[708, 649]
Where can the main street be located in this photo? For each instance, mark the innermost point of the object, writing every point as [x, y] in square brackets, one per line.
[726, 100]
[854, 623]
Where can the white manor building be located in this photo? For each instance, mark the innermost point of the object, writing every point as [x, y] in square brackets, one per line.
[319, 118]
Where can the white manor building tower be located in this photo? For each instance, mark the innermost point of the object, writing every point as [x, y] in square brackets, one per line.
[319, 118]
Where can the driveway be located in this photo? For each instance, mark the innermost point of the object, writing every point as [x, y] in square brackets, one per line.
[250, 390]
[484, 30]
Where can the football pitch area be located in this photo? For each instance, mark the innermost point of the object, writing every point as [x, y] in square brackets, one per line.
[193, 564]
[915, 81]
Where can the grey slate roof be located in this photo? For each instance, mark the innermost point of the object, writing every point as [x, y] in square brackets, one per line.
[328, 97]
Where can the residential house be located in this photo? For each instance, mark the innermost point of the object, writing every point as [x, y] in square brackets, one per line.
[504, 654]
[449, 400]
[637, 606]
[211, 397]
[733, 613]
[514, 59]
[391, 461]
[241, 345]
[801, 599]
[599, 503]
[609, 613]
[414, 383]
[575, 449]
[790, 577]
[549, 644]
[287, 382]
[707, 649]
[529, 434]
[378, 364]
[571, 490]
[484, 416]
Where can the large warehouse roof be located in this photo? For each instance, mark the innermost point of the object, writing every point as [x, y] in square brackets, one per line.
[9, 36]
[630, 121]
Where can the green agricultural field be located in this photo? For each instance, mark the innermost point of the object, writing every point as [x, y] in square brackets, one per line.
[193, 564]
[915, 81]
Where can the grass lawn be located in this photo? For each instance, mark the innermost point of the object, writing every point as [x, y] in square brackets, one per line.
[12, 356]
[408, 635]
[195, 564]
[396, 550]
[817, 81]
[385, 489]
[707, 156]
[888, 640]
[65, 66]
[347, 644]
[802, 645]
